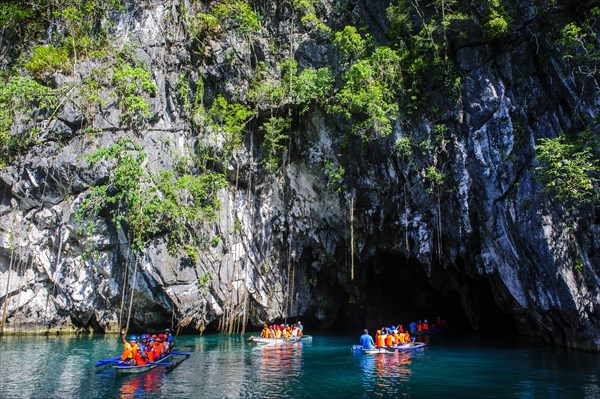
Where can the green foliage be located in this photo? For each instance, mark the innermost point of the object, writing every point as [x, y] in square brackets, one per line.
[204, 282]
[192, 100]
[146, 204]
[20, 98]
[312, 86]
[369, 95]
[350, 44]
[403, 147]
[569, 169]
[228, 119]
[132, 85]
[309, 18]
[202, 25]
[192, 254]
[420, 35]
[434, 176]
[498, 23]
[579, 42]
[275, 138]
[46, 60]
[335, 174]
[237, 15]
[293, 88]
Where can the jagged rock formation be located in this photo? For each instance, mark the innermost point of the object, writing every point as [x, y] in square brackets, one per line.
[483, 240]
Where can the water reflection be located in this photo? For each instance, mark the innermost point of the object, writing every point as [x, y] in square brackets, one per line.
[383, 374]
[133, 386]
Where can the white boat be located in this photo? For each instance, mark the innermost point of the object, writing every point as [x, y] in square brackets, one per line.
[260, 340]
[389, 349]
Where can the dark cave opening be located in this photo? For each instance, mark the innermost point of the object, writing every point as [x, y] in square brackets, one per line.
[398, 291]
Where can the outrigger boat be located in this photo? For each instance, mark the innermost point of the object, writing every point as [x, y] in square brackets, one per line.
[260, 340]
[389, 349]
[126, 368]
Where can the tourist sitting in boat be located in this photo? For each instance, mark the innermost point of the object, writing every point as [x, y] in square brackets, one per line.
[301, 328]
[265, 332]
[390, 340]
[399, 337]
[366, 340]
[379, 339]
[413, 326]
[425, 326]
[130, 349]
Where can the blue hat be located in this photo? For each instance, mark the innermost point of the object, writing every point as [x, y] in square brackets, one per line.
[133, 337]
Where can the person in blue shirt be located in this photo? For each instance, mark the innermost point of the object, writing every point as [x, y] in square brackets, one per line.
[413, 326]
[366, 340]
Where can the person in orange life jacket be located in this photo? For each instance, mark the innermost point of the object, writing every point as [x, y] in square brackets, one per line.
[130, 349]
[398, 337]
[390, 340]
[379, 339]
[138, 355]
[425, 326]
[151, 351]
[301, 328]
[265, 332]
[420, 326]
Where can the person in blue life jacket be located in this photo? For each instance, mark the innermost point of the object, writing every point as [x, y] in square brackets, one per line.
[413, 326]
[366, 340]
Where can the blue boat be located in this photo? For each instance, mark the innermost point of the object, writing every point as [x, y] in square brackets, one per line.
[126, 368]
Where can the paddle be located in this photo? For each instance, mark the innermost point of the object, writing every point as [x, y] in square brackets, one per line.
[108, 361]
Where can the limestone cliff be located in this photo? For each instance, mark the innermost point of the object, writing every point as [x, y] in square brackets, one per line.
[432, 201]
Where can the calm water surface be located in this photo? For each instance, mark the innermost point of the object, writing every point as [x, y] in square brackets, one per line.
[451, 366]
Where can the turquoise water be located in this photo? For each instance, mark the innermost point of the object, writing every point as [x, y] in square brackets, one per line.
[230, 367]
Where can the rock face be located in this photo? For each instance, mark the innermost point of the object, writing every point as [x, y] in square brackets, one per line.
[485, 239]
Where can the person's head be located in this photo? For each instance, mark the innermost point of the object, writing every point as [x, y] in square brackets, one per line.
[299, 323]
[378, 331]
[366, 331]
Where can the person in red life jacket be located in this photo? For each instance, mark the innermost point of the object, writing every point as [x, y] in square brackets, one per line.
[420, 326]
[425, 326]
[379, 340]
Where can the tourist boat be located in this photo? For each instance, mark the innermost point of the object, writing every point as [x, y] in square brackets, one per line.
[125, 368]
[259, 340]
[390, 349]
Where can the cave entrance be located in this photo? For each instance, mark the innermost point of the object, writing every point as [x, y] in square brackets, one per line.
[398, 291]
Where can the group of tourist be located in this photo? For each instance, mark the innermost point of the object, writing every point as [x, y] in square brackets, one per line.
[386, 337]
[282, 331]
[397, 335]
[146, 348]
[423, 326]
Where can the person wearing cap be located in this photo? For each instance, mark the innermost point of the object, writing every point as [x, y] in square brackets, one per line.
[366, 340]
[301, 328]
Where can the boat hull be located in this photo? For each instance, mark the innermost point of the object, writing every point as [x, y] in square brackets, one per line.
[390, 349]
[259, 340]
[127, 369]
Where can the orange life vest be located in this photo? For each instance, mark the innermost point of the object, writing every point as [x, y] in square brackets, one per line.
[390, 340]
[379, 341]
